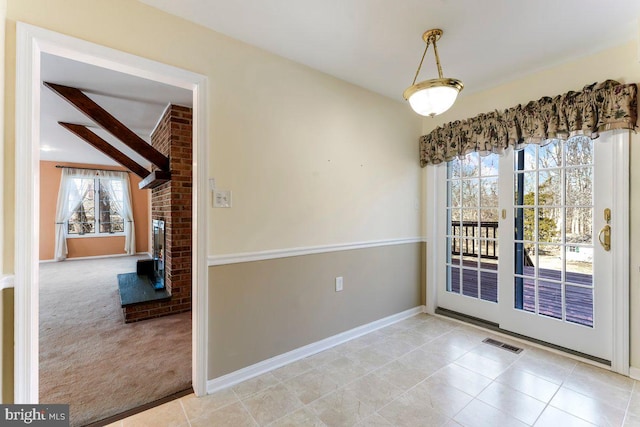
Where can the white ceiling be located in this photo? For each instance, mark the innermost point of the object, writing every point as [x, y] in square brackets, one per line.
[377, 44]
[136, 102]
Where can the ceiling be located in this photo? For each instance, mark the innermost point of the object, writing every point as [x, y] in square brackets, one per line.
[136, 102]
[377, 44]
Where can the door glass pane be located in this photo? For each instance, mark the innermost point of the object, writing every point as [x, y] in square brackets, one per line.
[550, 299]
[489, 192]
[549, 188]
[530, 259]
[453, 280]
[579, 151]
[472, 195]
[579, 305]
[470, 282]
[529, 294]
[489, 286]
[489, 165]
[549, 221]
[578, 186]
[453, 169]
[525, 188]
[469, 166]
[530, 156]
[550, 262]
[470, 218]
[578, 225]
[550, 156]
[554, 230]
[489, 253]
[454, 194]
[529, 226]
[579, 265]
[470, 192]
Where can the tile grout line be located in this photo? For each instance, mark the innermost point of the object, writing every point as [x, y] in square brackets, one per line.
[184, 411]
[248, 411]
[556, 392]
[352, 356]
[373, 371]
[626, 411]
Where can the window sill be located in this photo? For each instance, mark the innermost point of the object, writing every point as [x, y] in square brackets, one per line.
[91, 235]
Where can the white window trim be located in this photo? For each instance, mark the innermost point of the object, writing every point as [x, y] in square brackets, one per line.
[96, 221]
[94, 235]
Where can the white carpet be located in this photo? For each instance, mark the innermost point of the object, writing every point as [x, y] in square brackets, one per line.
[91, 359]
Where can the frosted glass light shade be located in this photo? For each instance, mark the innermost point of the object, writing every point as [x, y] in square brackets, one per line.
[433, 97]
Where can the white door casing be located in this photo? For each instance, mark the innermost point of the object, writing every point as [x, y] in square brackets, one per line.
[31, 43]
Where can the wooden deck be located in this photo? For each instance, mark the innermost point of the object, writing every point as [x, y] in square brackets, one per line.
[578, 299]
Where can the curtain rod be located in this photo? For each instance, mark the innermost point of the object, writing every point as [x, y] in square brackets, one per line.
[90, 169]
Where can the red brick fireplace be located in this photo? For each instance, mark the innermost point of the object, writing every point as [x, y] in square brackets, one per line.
[172, 203]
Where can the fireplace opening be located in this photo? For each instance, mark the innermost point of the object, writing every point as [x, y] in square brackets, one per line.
[156, 276]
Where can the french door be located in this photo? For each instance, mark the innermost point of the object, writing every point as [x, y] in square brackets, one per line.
[522, 241]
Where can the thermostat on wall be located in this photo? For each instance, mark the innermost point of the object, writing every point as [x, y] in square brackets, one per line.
[221, 198]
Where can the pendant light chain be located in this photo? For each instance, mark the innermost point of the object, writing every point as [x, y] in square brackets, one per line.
[420, 66]
[435, 50]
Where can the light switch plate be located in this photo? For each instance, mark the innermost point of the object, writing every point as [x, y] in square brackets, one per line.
[221, 198]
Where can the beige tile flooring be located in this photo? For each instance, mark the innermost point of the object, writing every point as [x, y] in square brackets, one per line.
[423, 371]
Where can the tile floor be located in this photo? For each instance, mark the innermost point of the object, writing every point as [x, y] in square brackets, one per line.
[423, 371]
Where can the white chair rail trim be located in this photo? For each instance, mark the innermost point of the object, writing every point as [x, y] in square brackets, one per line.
[309, 250]
[6, 282]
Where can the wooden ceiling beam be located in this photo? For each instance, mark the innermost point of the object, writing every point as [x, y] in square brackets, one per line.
[154, 179]
[88, 107]
[103, 146]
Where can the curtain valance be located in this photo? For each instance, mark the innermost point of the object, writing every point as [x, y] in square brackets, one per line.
[598, 107]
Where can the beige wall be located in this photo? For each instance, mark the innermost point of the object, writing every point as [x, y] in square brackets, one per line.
[622, 64]
[6, 345]
[311, 160]
[265, 308]
[50, 177]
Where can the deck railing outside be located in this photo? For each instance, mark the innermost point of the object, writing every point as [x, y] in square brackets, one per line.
[578, 299]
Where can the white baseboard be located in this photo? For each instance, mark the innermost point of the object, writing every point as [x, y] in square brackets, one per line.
[260, 368]
[634, 373]
[6, 282]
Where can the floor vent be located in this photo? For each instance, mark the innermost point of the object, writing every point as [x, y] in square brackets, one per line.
[500, 344]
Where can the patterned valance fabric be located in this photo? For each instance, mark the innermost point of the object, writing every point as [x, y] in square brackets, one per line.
[598, 107]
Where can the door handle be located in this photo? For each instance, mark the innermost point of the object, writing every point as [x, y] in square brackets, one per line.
[606, 232]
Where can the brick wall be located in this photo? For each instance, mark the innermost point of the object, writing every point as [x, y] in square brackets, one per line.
[172, 202]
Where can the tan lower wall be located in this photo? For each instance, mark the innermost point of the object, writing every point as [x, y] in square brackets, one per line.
[258, 310]
[6, 343]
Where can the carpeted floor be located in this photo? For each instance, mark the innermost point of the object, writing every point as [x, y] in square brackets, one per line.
[91, 359]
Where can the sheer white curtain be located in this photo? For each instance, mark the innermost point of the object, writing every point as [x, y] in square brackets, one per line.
[121, 203]
[72, 190]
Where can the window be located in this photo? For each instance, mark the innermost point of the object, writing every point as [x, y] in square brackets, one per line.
[98, 212]
[95, 203]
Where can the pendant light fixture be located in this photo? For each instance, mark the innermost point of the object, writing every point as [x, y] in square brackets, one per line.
[435, 96]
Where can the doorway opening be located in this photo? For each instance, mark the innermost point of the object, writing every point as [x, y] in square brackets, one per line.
[32, 43]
